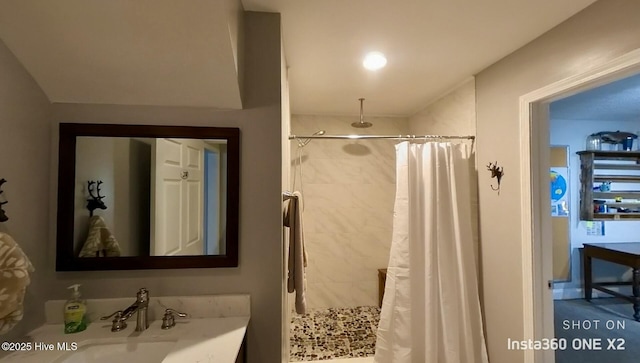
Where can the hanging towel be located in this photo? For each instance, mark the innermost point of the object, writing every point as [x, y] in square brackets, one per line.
[100, 241]
[15, 268]
[296, 281]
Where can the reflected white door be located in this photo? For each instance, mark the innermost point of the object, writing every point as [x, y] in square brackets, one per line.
[177, 213]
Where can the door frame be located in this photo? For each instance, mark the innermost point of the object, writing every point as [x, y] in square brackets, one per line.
[534, 171]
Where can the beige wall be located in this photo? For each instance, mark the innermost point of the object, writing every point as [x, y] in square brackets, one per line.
[95, 162]
[260, 270]
[452, 114]
[603, 31]
[25, 136]
[349, 191]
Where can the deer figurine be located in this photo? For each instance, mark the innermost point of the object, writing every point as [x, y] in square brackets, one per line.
[3, 215]
[96, 200]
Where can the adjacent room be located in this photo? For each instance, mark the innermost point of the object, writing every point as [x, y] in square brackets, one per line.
[595, 200]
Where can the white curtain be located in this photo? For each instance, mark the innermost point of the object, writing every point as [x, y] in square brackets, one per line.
[431, 309]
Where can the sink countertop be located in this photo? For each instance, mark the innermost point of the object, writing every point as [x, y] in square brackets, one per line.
[214, 330]
[196, 340]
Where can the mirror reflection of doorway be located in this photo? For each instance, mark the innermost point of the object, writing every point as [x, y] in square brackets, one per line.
[179, 197]
[194, 183]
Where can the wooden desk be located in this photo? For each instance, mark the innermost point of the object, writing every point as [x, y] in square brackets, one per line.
[627, 254]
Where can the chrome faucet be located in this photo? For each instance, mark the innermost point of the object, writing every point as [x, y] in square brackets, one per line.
[140, 306]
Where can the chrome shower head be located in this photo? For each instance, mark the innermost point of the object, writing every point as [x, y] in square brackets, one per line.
[361, 124]
[302, 143]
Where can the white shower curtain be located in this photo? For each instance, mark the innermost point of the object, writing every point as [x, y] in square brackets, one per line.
[431, 309]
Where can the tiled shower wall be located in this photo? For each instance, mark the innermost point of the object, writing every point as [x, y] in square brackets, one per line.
[348, 192]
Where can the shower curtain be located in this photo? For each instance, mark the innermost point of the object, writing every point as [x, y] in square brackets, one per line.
[431, 309]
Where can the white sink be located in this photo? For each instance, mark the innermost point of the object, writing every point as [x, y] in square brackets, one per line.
[214, 331]
[129, 351]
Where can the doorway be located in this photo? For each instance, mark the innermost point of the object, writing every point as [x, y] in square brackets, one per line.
[537, 234]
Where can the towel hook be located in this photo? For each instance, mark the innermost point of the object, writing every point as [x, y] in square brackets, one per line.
[96, 200]
[3, 215]
[496, 172]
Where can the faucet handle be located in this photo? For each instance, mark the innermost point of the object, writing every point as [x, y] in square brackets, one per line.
[117, 323]
[118, 315]
[168, 320]
[171, 311]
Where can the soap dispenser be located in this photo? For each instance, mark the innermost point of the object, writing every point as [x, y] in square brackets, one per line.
[75, 312]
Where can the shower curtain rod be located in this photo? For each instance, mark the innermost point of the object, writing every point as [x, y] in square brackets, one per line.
[397, 137]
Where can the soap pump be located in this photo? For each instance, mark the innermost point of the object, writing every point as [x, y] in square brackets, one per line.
[75, 311]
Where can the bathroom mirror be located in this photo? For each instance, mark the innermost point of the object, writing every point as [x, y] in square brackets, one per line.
[146, 197]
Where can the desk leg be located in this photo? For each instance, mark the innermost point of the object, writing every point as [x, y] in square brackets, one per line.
[636, 294]
[587, 277]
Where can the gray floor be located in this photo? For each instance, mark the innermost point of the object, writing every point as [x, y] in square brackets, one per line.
[575, 321]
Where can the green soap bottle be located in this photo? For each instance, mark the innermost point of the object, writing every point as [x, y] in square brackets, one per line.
[75, 312]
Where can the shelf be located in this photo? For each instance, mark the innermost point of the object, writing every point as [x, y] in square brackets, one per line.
[617, 178]
[617, 166]
[622, 204]
[624, 194]
[621, 161]
[614, 216]
[611, 155]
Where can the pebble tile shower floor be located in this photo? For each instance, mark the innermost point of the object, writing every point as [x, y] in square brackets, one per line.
[324, 334]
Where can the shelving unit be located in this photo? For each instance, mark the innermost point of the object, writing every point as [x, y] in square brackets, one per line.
[625, 162]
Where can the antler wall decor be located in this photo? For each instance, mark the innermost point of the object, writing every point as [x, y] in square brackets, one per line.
[3, 215]
[96, 200]
[496, 172]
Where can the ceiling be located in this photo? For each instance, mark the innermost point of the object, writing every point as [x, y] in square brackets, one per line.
[184, 53]
[431, 46]
[615, 101]
[142, 52]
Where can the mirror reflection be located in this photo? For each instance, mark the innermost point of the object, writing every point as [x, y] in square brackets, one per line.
[162, 197]
[139, 196]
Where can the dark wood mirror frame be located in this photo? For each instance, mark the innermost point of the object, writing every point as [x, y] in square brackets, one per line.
[65, 257]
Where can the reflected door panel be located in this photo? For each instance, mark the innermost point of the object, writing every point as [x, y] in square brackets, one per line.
[179, 195]
[193, 196]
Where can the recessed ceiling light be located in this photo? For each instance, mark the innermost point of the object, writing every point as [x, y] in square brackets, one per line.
[374, 61]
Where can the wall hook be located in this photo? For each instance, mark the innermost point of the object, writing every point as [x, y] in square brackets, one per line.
[96, 200]
[496, 172]
[3, 215]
